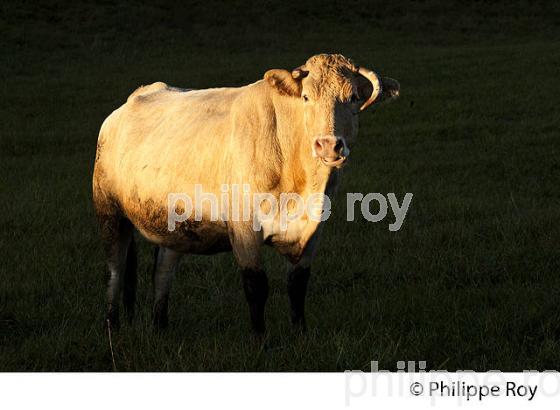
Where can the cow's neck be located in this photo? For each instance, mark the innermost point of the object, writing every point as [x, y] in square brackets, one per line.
[283, 158]
[301, 172]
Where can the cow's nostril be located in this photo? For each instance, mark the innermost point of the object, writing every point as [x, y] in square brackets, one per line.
[339, 146]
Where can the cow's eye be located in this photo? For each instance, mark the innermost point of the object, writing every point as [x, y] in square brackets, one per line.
[305, 98]
[354, 98]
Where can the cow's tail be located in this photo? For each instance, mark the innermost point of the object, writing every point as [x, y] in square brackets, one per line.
[130, 281]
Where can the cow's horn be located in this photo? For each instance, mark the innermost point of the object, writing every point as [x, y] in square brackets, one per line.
[375, 82]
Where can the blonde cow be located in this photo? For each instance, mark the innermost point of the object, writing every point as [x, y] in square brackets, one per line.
[287, 133]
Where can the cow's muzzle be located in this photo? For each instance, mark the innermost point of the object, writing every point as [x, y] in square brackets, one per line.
[332, 151]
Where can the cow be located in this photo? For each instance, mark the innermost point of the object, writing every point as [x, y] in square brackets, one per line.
[290, 132]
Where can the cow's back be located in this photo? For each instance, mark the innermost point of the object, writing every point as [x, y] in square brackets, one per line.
[160, 131]
[162, 140]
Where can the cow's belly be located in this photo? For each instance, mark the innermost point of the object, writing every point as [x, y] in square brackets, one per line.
[203, 239]
[198, 237]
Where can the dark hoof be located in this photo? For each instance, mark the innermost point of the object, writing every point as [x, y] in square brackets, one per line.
[259, 339]
[160, 315]
[299, 328]
[161, 322]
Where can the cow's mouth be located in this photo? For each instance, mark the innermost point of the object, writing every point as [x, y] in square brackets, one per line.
[334, 163]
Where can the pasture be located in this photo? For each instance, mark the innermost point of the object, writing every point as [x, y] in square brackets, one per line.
[472, 279]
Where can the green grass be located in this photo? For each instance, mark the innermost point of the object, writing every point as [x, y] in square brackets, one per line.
[471, 281]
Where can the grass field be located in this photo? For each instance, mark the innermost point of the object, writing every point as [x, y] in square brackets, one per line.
[471, 281]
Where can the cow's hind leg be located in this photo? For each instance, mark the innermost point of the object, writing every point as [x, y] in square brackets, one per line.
[116, 232]
[166, 264]
[130, 281]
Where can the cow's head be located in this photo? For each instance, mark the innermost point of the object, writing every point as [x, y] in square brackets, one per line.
[332, 91]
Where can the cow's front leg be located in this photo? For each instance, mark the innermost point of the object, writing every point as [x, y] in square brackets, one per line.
[298, 277]
[166, 264]
[255, 285]
[246, 244]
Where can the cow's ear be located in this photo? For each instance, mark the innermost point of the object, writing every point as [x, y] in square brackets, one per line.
[390, 89]
[283, 82]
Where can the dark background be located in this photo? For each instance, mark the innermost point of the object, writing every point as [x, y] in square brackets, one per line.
[471, 281]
